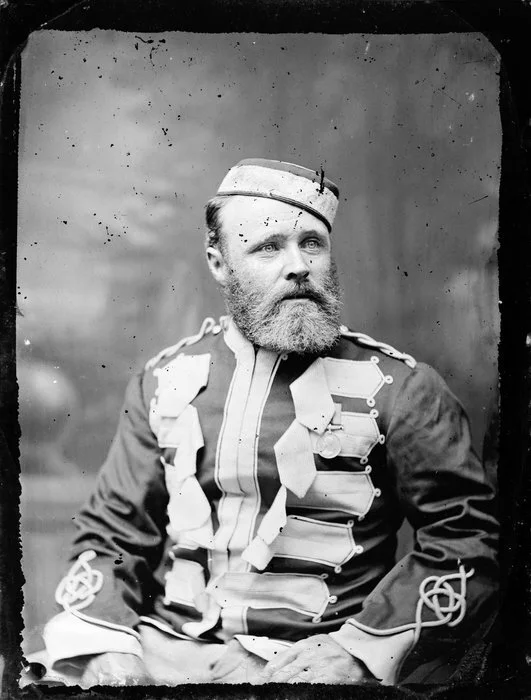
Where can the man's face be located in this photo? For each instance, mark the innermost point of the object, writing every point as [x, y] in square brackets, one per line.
[278, 276]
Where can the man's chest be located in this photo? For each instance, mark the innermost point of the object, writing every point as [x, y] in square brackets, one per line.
[274, 465]
[261, 420]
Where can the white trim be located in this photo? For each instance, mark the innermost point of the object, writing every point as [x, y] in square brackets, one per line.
[348, 492]
[272, 375]
[314, 407]
[67, 635]
[356, 379]
[443, 613]
[228, 448]
[178, 426]
[170, 431]
[185, 581]
[104, 623]
[266, 365]
[306, 594]
[165, 628]
[189, 511]
[218, 559]
[294, 458]
[210, 618]
[358, 435]
[234, 621]
[274, 520]
[331, 544]
[184, 543]
[236, 463]
[179, 382]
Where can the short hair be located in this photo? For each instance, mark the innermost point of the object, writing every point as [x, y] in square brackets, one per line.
[214, 234]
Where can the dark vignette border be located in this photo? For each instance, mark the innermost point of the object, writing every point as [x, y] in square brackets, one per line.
[506, 664]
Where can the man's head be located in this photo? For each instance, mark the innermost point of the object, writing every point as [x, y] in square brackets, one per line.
[272, 258]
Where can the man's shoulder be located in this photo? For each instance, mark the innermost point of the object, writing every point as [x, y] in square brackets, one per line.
[388, 371]
[360, 347]
[414, 380]
[196, 344]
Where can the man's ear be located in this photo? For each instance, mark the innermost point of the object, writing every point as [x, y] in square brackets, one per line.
[218, 266]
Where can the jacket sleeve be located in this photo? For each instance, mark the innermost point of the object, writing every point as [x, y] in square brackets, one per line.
[119, 543]
[440, 593]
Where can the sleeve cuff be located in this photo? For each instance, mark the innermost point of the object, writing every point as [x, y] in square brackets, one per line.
[382, 653]
[66, 636]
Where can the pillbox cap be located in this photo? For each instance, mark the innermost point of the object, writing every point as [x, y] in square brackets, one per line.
[285, 182]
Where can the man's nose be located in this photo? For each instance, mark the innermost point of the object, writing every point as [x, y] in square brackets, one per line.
[296, 268]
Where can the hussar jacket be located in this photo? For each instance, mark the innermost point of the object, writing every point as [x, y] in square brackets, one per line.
[254, 495]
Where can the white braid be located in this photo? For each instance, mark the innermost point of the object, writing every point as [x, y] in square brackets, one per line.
[206, 327]
[451, 613]
[389, 350]
[78, 588]
[429, 597]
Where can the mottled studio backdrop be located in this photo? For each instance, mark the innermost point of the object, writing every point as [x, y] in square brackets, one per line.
[123, 137]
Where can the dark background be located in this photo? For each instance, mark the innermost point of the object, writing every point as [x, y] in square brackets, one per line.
[124, 136]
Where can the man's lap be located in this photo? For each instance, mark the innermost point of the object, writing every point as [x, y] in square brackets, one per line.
[170, 661]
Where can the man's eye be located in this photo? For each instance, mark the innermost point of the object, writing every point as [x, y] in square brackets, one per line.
[312, 244]
[268, 248]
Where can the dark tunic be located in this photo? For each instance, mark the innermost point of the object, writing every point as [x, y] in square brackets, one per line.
[222, 508]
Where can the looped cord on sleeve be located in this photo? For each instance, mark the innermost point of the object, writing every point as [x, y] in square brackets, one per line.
[79, 587]
[449, 610]
[448, 605]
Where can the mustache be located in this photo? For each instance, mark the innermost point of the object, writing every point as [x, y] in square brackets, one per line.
[300, 291]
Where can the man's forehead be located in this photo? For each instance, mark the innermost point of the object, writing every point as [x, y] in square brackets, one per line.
[259, 213]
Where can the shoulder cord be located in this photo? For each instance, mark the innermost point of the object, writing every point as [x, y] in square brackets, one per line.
[206, 327]
[389, 350]
[78, 588]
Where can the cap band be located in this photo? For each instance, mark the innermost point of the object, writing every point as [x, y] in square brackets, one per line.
[284, 182]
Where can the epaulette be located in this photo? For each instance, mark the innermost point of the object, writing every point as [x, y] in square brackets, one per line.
[209, 325]
[388, 350]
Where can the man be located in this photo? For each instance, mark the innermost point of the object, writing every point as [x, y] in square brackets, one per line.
[243, 527]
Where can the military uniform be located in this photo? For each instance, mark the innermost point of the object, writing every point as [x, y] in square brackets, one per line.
[257, 496]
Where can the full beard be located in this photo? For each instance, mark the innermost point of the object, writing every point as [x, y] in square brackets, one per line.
[306, 327]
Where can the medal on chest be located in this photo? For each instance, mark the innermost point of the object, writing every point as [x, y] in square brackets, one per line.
[328, 445]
